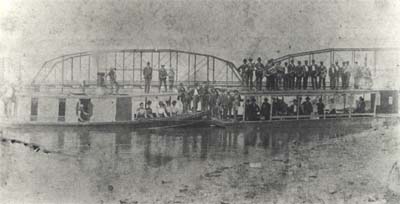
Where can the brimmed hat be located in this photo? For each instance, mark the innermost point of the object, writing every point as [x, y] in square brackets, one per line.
[307, 98]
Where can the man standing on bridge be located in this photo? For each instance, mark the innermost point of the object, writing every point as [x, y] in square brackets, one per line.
[307, 73]
[250, 73]
[242, 70]
[259, 73]
[113, 80]
[162, 76]
[148, 74]
[299, 74]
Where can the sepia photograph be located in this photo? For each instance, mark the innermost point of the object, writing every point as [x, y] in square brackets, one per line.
[199, 101]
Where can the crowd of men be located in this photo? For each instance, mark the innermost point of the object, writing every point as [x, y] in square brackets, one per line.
[300, 76]
[225, 104]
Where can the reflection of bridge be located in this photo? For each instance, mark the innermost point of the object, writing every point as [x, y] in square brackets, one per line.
[190, 67]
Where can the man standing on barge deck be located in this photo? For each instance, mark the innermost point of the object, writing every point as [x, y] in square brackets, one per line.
[113, 80]
[148, 74]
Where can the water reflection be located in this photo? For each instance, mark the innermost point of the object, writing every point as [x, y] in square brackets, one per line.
[156, 148]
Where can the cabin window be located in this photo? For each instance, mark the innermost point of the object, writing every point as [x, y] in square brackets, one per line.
[34, 108]
[61, 109]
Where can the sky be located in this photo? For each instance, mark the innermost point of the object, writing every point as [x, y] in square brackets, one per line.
[33, 31]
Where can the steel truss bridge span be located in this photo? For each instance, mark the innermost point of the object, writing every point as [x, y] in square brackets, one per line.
[189, 67]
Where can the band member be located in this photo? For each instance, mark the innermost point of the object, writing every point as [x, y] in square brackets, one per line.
[148, 74]
[162, 76]
[113, 80]
[306, 75]
[343, 75]
[322, 75]
[291, 75]
[259, 73]
[339, 71]
[265, 110]
[347, 73]
[286, 76]
[242, 70]
[299, 74]
[250, 73]
[313, 71]
[280, 72]
[332, 76]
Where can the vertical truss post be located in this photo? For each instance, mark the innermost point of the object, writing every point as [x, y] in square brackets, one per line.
[194, 69]
[188, 75]
[170, 59]
[123, 67]
[141, 66]
[213, 70]
[62, 74]
[231, 73]
[72, 68]
[159, 60]
[353, 57]
[80, 64]
[115, 61]
[208, 69]
[133, 67]
[152, 61]
[176, 68]
[375, 61]
[89, 67]
[226, 75]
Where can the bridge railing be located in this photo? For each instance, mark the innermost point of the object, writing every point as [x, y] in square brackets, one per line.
[375, 58]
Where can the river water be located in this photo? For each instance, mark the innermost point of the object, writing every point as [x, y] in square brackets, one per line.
[78, 165]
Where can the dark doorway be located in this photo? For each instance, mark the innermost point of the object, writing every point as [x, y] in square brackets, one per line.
[61, 109]
[34, 108]
[124, 109]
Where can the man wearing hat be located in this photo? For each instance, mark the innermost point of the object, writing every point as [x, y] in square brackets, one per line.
[250, 73]
[113, 80]
[253, 109]
[299, 74]
[307, 73]
[320, 107]
[265, 109]
[332, 72]
[259, 73]
[162, 76]
[291, 74]
[307, 107]
[313, 74]
[147, 74]
[322, 71]
[242, 70]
